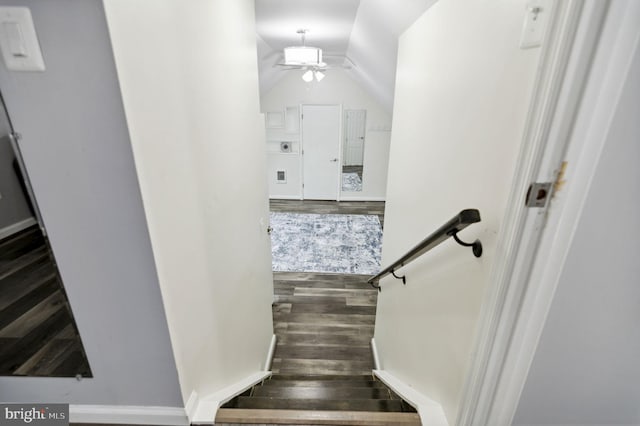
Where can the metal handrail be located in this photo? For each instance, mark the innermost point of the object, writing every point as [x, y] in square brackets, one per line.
[449, 229]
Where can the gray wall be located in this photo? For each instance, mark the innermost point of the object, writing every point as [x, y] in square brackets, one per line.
[586, 369]
[77, 150]
[13, 204]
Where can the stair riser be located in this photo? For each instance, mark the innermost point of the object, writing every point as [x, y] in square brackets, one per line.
[320, 404]
[320, 393]
[325, 383]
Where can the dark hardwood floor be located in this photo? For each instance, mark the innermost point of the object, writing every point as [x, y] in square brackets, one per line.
[323, 324]
[322, 366]
[38, 336]
[329, 207]
[323, 360]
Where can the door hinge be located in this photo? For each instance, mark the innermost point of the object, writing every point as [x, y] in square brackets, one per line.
[538, 194]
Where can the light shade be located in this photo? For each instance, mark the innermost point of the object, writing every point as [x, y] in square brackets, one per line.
[307, 76]
[319, 75]
[302, 55]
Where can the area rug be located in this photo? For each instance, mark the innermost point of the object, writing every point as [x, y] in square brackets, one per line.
[337, 243]
[351, 182]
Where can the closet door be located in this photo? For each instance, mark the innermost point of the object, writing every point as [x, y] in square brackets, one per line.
[321, 126]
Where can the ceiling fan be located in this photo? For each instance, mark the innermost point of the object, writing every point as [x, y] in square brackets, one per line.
[306, 58]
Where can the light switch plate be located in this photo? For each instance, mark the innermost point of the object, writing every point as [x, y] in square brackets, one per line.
[18, 40]
[535, 23]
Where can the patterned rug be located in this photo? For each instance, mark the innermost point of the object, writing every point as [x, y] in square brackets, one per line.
[346, 244]
[351, 182]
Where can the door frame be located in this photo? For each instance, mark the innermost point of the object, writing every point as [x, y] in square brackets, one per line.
[340, 147]
[513, 314]
[14, 139]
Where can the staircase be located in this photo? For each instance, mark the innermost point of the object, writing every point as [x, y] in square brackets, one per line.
[332, 399]
[322, 363]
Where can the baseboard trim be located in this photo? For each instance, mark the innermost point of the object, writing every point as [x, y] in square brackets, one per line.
[285, 197]
[16, 227]
[374, 352]
[430, 412]
[192, 405]
[127, 414]
[202, 411]
[272, 350]
[356, 198]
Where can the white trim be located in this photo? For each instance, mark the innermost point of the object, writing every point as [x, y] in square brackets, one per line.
[285, 197]
[376, 357]
[340, 153]
[361, 198]
[514, 312]
[272, 350]
[16, 227]
[597, 109]
[123, 414]
[502, 304]
[430, 412]
[192, 404]
[203, 412]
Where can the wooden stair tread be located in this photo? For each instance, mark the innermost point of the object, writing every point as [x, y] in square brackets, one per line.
[320, 404]
[297, 417]
[321, 392]
[324, 377]
[336, 383]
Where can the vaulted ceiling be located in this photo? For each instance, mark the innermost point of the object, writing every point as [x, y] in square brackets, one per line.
[360, 36]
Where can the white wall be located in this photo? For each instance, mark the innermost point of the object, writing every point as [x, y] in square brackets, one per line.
[462, 92]
[373, 44]
[336, 88]
[189, 81]
[585, 369]
[78, 154]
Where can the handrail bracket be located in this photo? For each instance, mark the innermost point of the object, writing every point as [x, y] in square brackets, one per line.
[403, 278]
[449, 229]
[476, 246]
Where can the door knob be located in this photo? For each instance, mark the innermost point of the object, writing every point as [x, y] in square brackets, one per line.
[334, 160]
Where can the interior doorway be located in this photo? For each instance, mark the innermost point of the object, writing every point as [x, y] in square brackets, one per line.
[38, 334]
[321, 130]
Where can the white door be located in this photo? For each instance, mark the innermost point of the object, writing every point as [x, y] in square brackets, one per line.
[354, 128]
[321, 151]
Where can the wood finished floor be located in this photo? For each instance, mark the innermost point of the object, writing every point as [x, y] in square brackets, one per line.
[329, 207]
[322, 366]
[323, 324]
[38, 336]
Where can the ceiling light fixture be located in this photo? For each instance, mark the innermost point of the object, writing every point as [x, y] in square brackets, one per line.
[308, 76]
[303, 55]
[319, 75]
